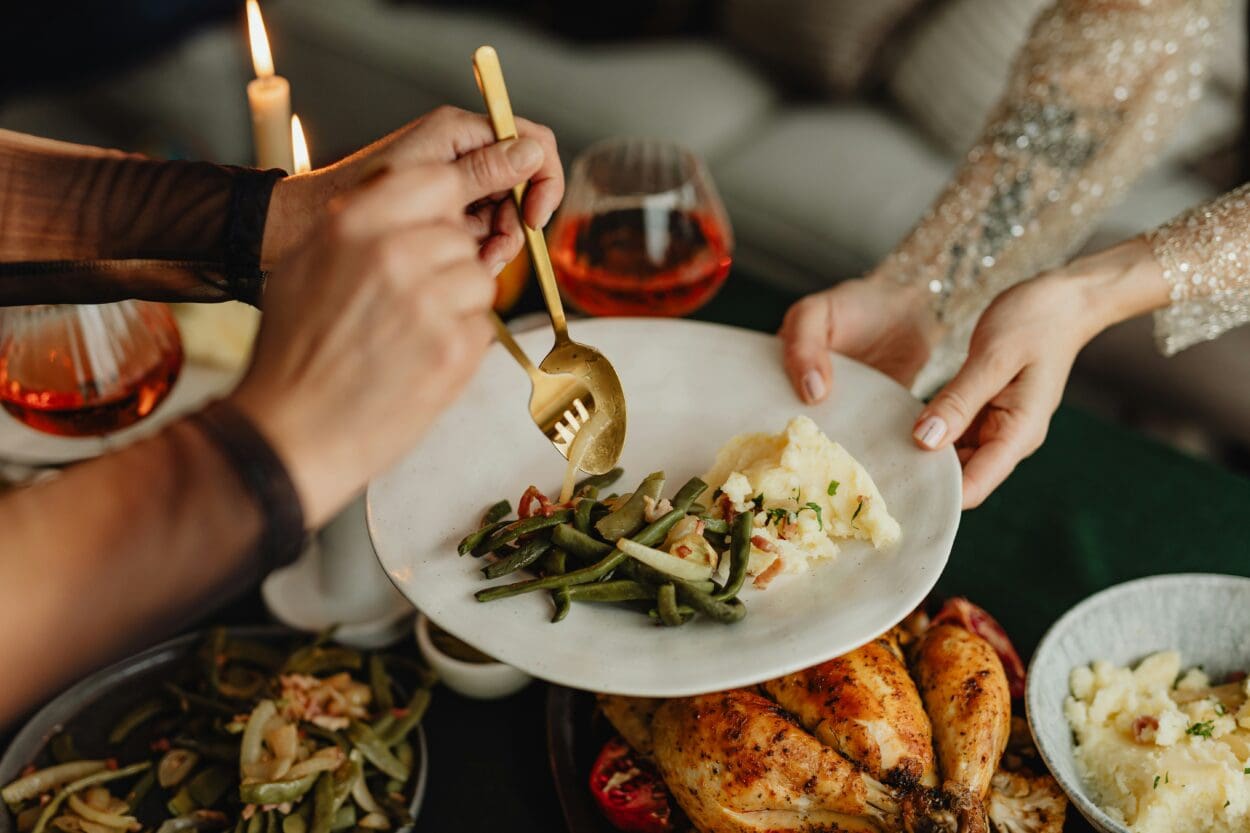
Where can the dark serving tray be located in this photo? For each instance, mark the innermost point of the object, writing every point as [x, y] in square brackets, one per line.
[111, 691]
[575, 734]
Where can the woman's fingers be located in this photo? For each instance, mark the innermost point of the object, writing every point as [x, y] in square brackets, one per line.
[949, 414]
[1014, 426]
[806, 335]
[546, 187]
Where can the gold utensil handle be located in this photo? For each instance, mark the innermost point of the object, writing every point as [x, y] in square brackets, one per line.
[490, 81]
[505, 338]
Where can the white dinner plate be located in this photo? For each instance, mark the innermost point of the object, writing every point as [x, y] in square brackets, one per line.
[690, 387]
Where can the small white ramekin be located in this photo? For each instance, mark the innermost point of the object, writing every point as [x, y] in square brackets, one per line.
[479, 680]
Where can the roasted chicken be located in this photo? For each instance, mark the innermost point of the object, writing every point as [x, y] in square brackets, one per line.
[737, 763]
[863, 704]
[964, 689]
[869, 741]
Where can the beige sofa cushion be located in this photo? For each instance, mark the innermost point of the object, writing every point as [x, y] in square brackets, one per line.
[823, 46]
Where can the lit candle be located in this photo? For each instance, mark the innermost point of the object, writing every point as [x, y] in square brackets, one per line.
[269, 97]
[299, 147]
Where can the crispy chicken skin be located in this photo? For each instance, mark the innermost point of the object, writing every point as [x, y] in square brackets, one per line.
[865, 705]
[964, 690]
[631, 717]
[737, 763]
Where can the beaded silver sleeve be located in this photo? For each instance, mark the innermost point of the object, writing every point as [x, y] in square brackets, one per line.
[1205, 257]
[1095, 92]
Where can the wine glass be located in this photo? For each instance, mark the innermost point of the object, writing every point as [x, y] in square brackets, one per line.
[87, 370]
[642, 231]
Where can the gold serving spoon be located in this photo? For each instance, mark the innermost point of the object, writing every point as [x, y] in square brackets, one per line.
[559, 402]
[601, 447]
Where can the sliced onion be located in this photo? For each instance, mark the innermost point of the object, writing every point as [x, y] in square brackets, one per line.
[363, 798]
[374, 821]
[254, 733]
[317, 763]
[94, 814]
[176, 765]
[665, 562]
[48, 779]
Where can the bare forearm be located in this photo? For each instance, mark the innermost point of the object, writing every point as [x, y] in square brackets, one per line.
[116, 552]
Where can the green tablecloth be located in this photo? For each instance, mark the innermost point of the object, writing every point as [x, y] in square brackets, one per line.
[1095, 506]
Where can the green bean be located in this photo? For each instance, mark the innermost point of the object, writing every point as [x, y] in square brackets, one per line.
[414, 711]
[323, 805]
[563, 603]
[182, 802]
[140, 790]
[581, 515]
[344, 818]
[598, 482]
[102, 777]
[426, 676]
[276, 792]
[271, 821]
[554, 563]
[240, 683]
[315, 659]
[585, 575]
[688, 494]
[472, 542]
[380, 683]
[654, 533]
[626, 519]
[344, 778]
[256, 653]
[684, 611]
[619, 590]
[522, 557]
[527, 526]
[325, 635]
[383, 723]
[214, 655]
[739, 555]
[406, 754]
[187, 699]
[64, 749]
[578, 544]
[697, 509]
[496, 512]
[652, 577]
[294, 823]
[210, 785]
[716, 526]
[134, 718]
[222, 751]
[666, 603]
[722, 611]
[375, 750]
[256, 824]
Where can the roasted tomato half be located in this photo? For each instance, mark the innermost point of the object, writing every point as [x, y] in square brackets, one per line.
[960, 611]
[630, 791]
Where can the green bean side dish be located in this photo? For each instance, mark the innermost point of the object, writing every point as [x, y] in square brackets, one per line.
[244, 737]
[592, 550]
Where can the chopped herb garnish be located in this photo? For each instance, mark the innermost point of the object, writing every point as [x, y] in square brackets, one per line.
[1246, 771]
[1156, 786]
[816, 508]
[1202, 730]
[859, 508]
[1226, 803]
[758, 500]
[777, 514]
[833, 488]
[1167, 778]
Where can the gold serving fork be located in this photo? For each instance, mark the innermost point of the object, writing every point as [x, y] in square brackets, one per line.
[603, 400]
[559, 403]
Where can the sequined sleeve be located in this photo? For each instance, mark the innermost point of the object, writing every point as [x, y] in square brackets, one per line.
[1205, 258]
[1095, 92]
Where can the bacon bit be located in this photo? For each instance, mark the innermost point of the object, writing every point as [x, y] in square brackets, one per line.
[727, 510]
[398, 712]
[29, 769]
[763, 544]
[1144, 728]
[788, 530]
[525, 506]
[160, 745]
[1235, 677]
[111, 764]
[44, 799]
[766, 577]
[220, 660]
[249, 810]
[699, 526]
[682, 552]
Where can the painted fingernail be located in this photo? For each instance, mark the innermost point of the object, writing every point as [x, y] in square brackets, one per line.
[497, 268]
[544, 220]
[813, 385]
[525, 153]
[930, 432]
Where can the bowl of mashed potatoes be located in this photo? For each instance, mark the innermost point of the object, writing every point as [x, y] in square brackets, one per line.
[1140, 706]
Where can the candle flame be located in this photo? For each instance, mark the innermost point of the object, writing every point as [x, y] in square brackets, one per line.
[299, 148]
[262, 59]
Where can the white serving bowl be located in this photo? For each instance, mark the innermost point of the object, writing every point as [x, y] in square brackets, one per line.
[479, 680]
[1204, 616]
